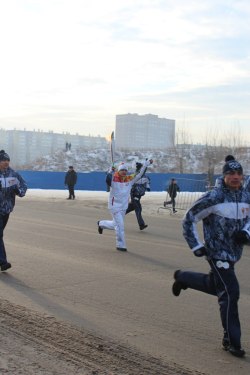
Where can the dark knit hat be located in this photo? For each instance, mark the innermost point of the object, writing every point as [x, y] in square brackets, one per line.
[232, 165]
[229, 157]
[4, 156]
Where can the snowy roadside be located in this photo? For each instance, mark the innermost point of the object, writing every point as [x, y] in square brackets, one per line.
[152, 202]
[80, 194]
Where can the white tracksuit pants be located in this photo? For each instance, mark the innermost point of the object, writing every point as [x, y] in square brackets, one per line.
[116, 224]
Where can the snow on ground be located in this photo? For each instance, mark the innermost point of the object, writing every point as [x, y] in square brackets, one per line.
[152, 202]
[85, 194]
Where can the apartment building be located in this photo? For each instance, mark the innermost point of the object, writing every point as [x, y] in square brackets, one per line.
[144, 132]
[26, 146]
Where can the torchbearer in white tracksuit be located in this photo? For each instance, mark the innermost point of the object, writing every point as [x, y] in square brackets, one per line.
[120, 186]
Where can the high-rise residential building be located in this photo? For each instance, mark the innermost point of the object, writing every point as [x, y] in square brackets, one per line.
[144, 132]
[26, 146]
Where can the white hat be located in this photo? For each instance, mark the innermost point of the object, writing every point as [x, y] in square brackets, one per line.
[122, 167]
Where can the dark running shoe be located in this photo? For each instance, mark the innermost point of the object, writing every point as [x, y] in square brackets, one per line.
[100, 230]
[121, 248]
[236, 351]
[174, 211]
[166, 203]
[143, 226]
[5, 266]
[177, 285]
[176, 288]
[225, 343]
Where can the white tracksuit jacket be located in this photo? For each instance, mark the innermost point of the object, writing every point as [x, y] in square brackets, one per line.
[120, 189]
[118, 202]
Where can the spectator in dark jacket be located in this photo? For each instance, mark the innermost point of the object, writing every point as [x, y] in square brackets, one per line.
[11, 184]
[70, 181]
[172, 190]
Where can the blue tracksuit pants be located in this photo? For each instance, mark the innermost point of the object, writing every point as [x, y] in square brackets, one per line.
[135, 204]
[221, 282]
[3, 222]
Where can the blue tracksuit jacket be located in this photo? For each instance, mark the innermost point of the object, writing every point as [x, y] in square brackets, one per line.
[11, 184]
[223, 212]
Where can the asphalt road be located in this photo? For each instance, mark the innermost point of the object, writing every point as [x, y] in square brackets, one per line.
[63, 267]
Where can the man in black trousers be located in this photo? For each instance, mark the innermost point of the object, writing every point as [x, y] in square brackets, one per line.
[70, 181]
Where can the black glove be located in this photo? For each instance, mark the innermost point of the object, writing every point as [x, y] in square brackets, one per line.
[241, 237]
[200, 252]
[15, 189]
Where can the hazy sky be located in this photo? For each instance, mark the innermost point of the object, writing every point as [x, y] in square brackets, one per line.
[72, 65]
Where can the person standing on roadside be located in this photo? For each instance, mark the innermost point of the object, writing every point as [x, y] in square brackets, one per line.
[70, 181]
[225, 212]
[11, 184]
[120, 186]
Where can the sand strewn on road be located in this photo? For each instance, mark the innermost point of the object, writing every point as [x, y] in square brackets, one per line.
[32, 343]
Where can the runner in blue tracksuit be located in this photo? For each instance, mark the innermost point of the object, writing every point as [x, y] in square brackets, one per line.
[11, 184]
[138, 190]
[225, 212]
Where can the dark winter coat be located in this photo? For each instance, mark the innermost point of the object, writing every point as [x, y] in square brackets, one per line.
[70, 178]
[172, 190]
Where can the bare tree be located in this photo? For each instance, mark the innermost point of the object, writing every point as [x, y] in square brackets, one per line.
[233, 138]
[217, 147]
[214, 153]
[182, 140]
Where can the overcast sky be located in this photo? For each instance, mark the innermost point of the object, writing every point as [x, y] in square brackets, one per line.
[72, 65]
